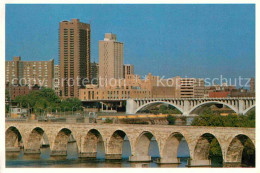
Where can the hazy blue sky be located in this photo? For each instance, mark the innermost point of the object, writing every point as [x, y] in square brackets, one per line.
[170, 40]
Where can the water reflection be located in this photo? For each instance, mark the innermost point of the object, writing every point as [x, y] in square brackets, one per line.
[19, 159]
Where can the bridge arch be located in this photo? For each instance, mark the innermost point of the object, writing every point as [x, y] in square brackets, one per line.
[170, 149]
[142, 145]
[236, 148]
[13, 138]
[212, 102]
[90, 143]
[156, 102]
[35, 140]
[62, 138]
[202, 147]
[115, 145]
[248, 109]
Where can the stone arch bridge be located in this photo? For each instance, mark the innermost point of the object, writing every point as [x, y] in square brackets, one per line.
[30, 137]
[240, 105]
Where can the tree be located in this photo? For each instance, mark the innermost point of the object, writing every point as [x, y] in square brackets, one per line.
[171, 119]
[207, 119]
[22, 101]
[215, 149]
[71, 103]
[50, 95]
[7, 95]
[7, 107]
[108, 120]
[44, 99]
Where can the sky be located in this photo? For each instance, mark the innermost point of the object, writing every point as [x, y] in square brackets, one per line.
[166, 40]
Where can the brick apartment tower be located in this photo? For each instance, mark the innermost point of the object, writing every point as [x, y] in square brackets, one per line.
[29, 72]
[74, 51]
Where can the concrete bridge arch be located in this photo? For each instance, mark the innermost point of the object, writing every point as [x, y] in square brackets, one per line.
[211, 102]
[248, 109]
[187, 105]
[156, 102]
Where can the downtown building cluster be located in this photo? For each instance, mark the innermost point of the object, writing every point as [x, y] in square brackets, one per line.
[110, 78]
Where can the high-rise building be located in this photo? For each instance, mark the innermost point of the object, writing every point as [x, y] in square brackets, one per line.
[128, 69]
[94, 73]
[191, 87]
[29, 72]
[12, 70]
[110, 57]
[56, 82]
[74, 44]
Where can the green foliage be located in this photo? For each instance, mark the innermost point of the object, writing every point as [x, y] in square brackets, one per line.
[134, 121]
[7, 94]
[183, 118]
[210, 119]
[71, 104]
[164, 109]
[215, 150]
[7, 108]
[171, 119]
[46, 100]
[22, 100]
[108, 120]
[250, 148]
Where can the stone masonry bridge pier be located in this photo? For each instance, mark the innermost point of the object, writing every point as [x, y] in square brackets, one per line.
[240, 105]
[86, 136]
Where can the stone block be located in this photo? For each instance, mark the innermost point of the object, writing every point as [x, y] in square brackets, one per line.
[71, 120]
[194, 163]
[59, 153]
[140, 158]
[88, 155]
[32, 151]
[12, 149]
[166, 160]
[113, 156]
[86, 120]
[232, 164]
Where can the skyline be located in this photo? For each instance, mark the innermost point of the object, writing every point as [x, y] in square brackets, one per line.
[222, 43]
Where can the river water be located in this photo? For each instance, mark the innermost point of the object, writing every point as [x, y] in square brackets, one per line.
[44, 160]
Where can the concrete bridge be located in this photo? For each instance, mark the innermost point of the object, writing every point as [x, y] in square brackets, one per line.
[30, 137]
[240, 105]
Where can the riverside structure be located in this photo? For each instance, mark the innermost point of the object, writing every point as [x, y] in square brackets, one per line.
[31, 136]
